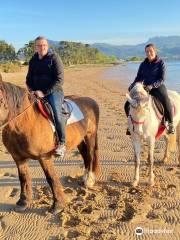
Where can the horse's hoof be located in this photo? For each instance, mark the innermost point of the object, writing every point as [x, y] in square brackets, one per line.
[20, 208]
[135, 183]
[166, 160]
[56, 208]
[21, 205]
[89, 180]
[151, 180]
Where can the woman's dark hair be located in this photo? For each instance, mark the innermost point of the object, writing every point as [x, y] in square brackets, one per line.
[150, 45]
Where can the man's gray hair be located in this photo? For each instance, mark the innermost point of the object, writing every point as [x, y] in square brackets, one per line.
[40, 38]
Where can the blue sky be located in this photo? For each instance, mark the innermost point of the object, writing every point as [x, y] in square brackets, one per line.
[88, 21]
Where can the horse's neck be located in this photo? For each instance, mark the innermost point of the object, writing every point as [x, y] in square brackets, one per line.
[152, 114]
[24, 113]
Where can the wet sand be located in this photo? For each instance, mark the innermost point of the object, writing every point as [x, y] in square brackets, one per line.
[113, 208]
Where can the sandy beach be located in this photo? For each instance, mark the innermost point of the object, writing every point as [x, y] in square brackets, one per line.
[113, 209]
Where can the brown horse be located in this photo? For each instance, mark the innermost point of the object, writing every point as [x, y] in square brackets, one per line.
[28, 135]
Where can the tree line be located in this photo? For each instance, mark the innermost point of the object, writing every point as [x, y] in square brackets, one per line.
[71, 53]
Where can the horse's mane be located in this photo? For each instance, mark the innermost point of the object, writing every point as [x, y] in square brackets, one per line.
[138, 91]
[14, 96]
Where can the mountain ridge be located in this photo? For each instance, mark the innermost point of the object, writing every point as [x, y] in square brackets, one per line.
[168, 47]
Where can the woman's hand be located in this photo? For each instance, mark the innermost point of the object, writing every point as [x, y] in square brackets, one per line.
[148, 87]
[39, 94]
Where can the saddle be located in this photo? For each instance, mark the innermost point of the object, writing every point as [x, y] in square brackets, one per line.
[158, 108]
[46, 110]
[71, 111]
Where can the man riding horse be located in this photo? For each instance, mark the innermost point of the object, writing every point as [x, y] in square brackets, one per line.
[45, 77]
[152, 74]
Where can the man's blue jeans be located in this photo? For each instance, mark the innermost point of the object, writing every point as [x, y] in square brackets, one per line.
[56, 99]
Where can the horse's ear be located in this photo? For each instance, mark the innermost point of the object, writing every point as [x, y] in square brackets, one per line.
[133, 102]
[128, 97]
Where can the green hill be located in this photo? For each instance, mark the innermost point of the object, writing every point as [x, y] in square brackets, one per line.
[168, 47]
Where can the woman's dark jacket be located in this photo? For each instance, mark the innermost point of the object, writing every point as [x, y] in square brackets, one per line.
[151, 73]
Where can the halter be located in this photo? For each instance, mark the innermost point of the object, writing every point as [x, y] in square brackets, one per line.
[136, 122]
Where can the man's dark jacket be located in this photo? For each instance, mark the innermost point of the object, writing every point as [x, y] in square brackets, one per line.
[45, 74]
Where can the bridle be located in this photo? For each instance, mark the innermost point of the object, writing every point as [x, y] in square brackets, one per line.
[133, 121]
[136, 122]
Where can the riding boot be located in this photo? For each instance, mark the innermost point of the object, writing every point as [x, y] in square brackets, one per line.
[170, 128]
[128, 132]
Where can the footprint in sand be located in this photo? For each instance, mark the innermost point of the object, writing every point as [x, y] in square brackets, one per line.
[73, 234]
[91, 197]
[129, 212]
[87, 210]
[73, 221]
[14, 192]
[7, 174]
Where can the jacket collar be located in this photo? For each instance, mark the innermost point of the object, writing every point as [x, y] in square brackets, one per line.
[156, 60]
[37, 57]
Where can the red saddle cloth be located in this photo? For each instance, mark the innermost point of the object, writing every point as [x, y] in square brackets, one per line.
[160, 131]
[162, 127]
[44, 111]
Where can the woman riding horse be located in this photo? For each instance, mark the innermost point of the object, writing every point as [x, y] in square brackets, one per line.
[152, 74]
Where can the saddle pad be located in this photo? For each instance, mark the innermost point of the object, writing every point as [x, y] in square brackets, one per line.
[76, 114]
[159, 110]
[160, 131]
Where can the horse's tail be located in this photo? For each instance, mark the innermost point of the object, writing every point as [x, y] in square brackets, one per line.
[96, 167]
[178, 141]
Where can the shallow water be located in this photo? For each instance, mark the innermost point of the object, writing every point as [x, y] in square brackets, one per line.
[126, 73]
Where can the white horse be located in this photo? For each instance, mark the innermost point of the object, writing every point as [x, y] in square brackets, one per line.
[143, 124]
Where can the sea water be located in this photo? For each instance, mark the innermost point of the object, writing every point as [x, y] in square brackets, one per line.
[126, 73]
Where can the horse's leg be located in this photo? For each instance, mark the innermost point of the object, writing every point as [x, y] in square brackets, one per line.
[84, 153]
[82, 147]
[167, 152]
[151, 142]
[54, 183]
[96, 166]
[25, 182]
[93, 159]
[137, 151]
